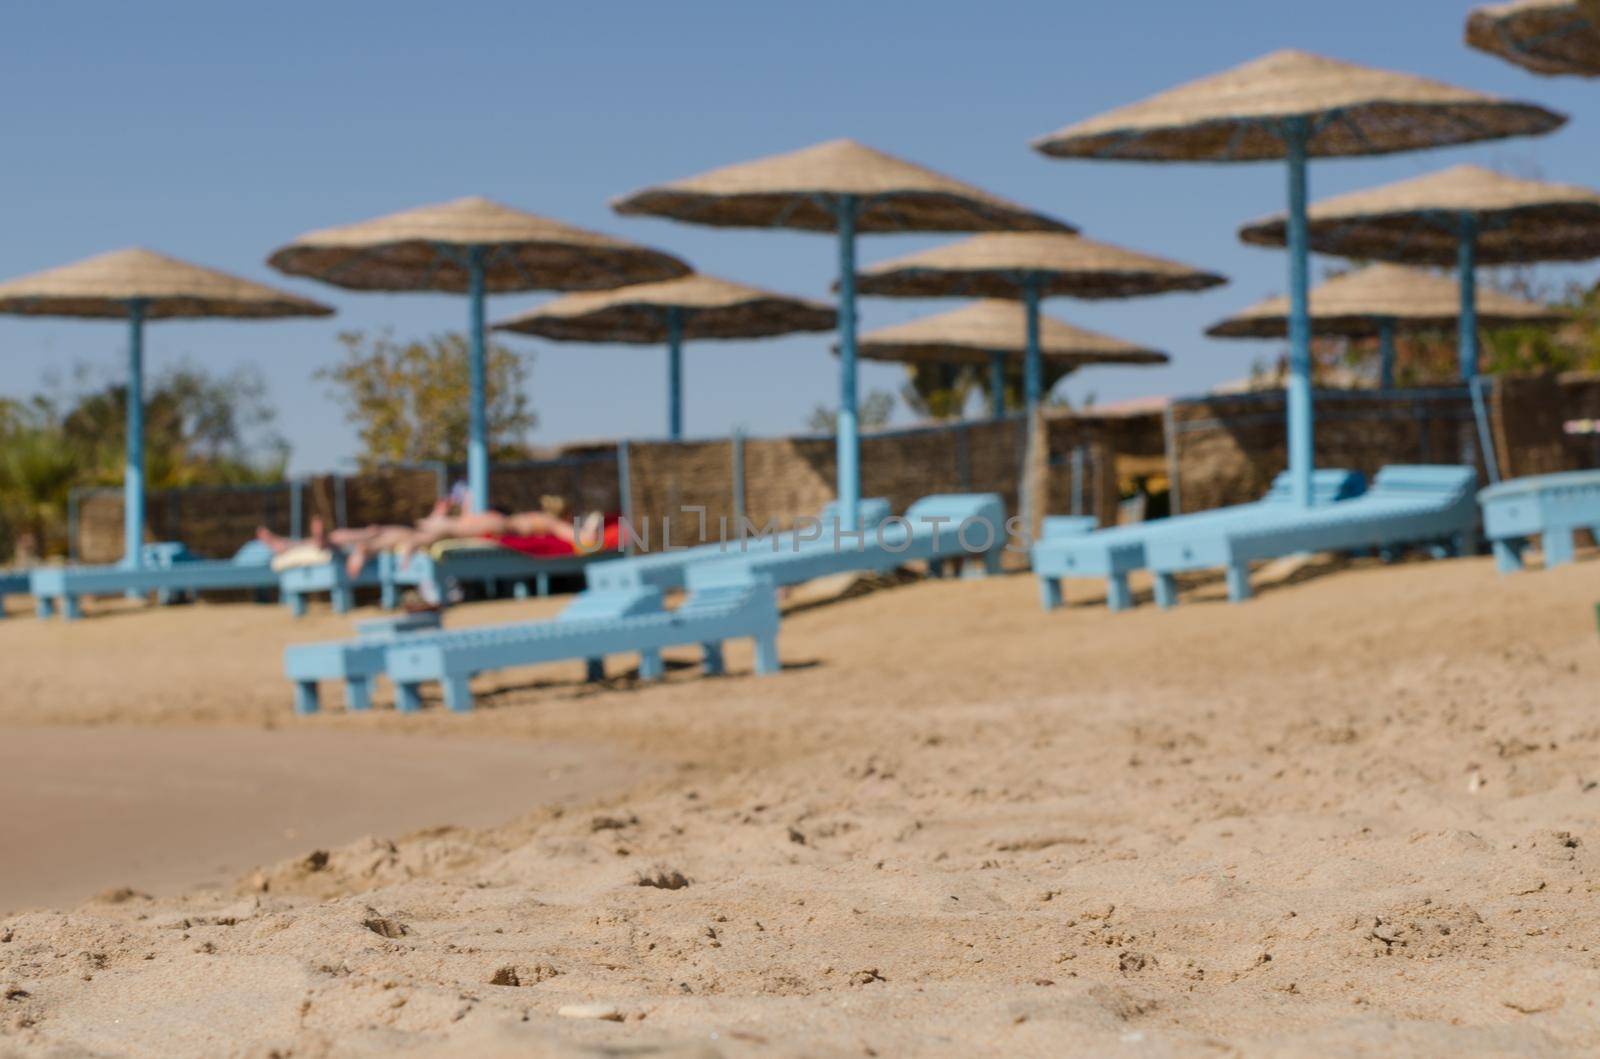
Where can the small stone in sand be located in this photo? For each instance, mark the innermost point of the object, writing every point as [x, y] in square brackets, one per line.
[604, 1012]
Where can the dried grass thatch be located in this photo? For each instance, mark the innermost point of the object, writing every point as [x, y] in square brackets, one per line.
[1549, 37]
[969, 335]
[991, 266]
[795, 190]
[425, 249]
[710, 308]
[1355, 110]
[1417, 221]
[1354, 304]
[102, 287]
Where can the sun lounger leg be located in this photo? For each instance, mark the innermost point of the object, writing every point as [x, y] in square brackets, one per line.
[342, 599]
[491, 588]
[389, 595]
[542, 581]
[712, 663]
[650, 665]
[357, 694]
[992, 563]
[1557, 547]
[519, 590]
[1166, 590]
[44, 606]
[408, 697]
[767, 655]
[935, 567]
[296, 602]
[1238, 582]
[305, 697]
[1508, 556]
[457, 694]
[70, 610]
[1050, 593]
[594, 670]
[1118, 595]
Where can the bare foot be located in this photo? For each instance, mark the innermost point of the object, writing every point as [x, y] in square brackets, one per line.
[591, 532]
[277, 544]
[357, 559]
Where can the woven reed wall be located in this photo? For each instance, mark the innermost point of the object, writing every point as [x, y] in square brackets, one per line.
[212, 522]
[1529, 415]
[1229, 447]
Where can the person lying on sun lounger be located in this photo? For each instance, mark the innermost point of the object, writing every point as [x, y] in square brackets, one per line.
[537, 533]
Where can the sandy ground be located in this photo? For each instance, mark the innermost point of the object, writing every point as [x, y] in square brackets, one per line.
[1356, 816]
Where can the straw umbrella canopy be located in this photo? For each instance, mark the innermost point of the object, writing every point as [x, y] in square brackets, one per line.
[671, 312]
[846, 188]
[1382, 301]
[1030, 266]
[472, 246]
[1550, 37]
[1292, 105]
[138, 285]
[1464, 215]
[992, 332]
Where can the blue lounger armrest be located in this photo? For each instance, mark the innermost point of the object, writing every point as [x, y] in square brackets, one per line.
[1117, 551]
[1406, 505]
[1548, 506]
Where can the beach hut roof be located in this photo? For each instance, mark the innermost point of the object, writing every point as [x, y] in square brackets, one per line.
[1355, 110]
[104, 285]
[968, 335]
[989, 266]
[1549, 37]
[1353, 304]
[793, 191]
[710, 308]
[425, 249]
[1417, 220]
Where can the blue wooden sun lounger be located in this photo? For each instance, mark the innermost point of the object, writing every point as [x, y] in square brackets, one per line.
[1431, 505]
[12, 583]
[297, 582]
[721, 605]
[168, 570]
[1547, 506]
[489, 565]
[938, 530]
[1072, 547]
[668, 569]
[356, 662]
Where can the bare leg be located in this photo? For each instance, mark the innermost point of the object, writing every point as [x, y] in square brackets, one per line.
[273, 541]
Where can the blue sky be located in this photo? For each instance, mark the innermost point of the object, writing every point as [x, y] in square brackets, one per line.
[217, 132]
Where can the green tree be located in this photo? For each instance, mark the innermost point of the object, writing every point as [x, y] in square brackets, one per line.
[872, 413]
[937, 391]
[408, 400]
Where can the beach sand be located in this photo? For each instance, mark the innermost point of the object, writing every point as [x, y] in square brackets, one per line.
[1356, 816]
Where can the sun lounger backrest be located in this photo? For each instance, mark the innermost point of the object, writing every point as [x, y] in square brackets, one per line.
[1421, 481]
[872, 509]
[1327, 486]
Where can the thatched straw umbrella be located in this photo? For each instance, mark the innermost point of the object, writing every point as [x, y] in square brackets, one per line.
[1462, 216]
[994, 331]
[471, 246]
[1030, 266]
[1382, 301]
[1550, 37]
[672, 311]
[845, 188]
[1294, 106]
[138, 285]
